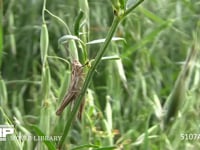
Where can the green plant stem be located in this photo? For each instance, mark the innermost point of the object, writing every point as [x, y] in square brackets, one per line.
[90, 74]
[88, 78]
[132, 8]
[59, 20]
[43, 11]
[1, 33]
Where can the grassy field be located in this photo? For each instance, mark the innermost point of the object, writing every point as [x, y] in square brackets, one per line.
[140, 74]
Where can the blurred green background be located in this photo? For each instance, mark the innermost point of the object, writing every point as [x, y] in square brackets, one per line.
[125, 98]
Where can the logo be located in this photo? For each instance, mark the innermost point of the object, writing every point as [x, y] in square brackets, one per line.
[5, 130]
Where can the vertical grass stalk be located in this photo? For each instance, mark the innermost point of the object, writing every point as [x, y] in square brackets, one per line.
[1, 32]
[88, 78]
[46, 78]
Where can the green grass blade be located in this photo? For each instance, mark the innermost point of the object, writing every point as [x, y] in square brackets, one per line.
[49, 144]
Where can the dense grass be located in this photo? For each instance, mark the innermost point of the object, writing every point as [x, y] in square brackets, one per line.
[147, 99]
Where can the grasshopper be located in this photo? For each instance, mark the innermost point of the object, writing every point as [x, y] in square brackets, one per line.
[77, 78]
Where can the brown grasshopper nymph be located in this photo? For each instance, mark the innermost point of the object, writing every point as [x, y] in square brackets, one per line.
[77, 78]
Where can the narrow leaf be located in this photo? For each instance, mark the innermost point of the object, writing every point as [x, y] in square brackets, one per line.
[49, 144]
[65, 38]
[103, 40]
